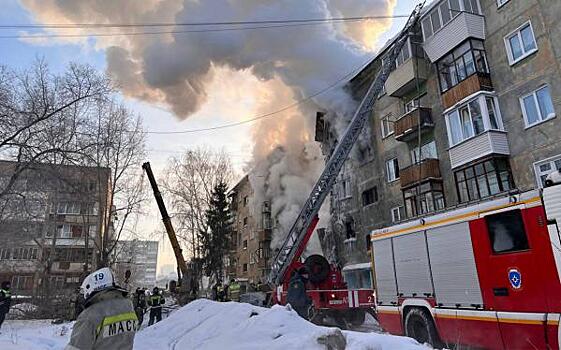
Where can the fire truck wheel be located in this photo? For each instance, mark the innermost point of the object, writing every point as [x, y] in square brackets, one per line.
[420, 326]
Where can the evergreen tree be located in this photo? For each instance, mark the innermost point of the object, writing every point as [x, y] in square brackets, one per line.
[214, 240]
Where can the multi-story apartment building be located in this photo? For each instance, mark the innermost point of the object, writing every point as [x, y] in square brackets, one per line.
[469, 112]
[138, 257]
[251, 235]
[52, 223]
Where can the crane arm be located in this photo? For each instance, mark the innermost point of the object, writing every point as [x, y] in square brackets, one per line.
[297, 236]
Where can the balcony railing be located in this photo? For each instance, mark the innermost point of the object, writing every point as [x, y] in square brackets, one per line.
[473, 84]
[463, 26]
[407, 126]
[415, 173]
[407, 76]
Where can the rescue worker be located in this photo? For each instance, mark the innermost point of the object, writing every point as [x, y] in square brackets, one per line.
[5, 300]
[297, 297]
[108, 321]
[139, 303]
[155, 301]
[234, 290]
[220, 293]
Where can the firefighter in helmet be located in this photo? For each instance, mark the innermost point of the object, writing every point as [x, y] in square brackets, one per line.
[108, 320]
[297, 296]
[155, 301]
[234, 290]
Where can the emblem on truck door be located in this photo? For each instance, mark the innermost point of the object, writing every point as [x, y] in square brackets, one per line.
[515, 278]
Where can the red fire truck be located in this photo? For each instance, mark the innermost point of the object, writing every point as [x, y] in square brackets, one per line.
[484, 275]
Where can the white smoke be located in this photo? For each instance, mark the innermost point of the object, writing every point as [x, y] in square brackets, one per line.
[296, 62]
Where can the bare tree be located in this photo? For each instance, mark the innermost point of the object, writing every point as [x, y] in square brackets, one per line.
[190, 181]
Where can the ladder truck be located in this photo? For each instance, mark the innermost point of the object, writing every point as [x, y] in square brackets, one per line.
[326, 287]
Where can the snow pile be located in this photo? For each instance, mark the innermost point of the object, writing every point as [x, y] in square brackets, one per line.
[205, 324]
[208, 325]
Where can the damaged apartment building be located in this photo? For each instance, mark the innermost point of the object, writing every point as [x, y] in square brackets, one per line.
[251, 235]
[52, 222]
[468, 112]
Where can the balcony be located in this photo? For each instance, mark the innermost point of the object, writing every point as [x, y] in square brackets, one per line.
[407, 126]
[463, 26]
[489, 142]
[264, 235]
[474, 83]
[407, 76]
[419, 172]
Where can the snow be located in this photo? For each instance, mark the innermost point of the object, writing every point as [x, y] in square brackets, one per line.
[205, 324]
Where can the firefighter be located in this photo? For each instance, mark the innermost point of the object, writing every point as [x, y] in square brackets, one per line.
[220, 292]
[108, 321]
[5, 300]
[139, 305]
[155, 301]
[234, 290]
[297, 296]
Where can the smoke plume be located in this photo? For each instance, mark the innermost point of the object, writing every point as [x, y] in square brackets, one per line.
[295, 62]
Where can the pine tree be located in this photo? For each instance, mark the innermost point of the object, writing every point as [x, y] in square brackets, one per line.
[214, 240]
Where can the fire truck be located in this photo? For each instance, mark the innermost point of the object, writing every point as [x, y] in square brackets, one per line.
[485, 275]
[327, 288]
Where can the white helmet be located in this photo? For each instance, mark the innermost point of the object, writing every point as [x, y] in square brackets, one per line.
[96, 281]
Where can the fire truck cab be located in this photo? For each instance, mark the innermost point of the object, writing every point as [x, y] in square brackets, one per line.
[485, 275]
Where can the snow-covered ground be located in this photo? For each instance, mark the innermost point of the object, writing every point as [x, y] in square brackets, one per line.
[205, 324]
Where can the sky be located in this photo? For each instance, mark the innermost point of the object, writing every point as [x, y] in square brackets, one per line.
[231, 95]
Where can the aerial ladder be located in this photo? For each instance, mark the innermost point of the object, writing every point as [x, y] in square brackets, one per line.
[181, 264]
[329, 291]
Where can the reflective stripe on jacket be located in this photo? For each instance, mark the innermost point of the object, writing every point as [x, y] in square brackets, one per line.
[234, 291]
[109, 323]
[156, 301]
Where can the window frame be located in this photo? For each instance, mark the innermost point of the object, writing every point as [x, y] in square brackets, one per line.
[517, 32]
[365, 196]
[395, 163]
[391, 130]
[474, 179]
[537, 105]
[552, 161]
[437, 8]
[457, 56]
[399, 210]
[501, 3]
[522, 226]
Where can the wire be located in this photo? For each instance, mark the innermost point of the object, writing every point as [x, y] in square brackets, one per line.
[183, 24]
[85, 35]
[270, 114]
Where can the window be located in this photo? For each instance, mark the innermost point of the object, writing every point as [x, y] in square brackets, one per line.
[473, 118]
[245, 222]
[68, 208]
[387, 125]
[468, 59]
[5, 253]
[544, 168]
[25, 253]
[245, 201]
[537, 107]
[413, 103]
[521, 43]
[398, 213]
[346, 189]
[442, 14]
[483, 179]
[244, 267]
[245, 244]
[349, 229]
[392, 170]
[369, 196]
[506, 232]
[501, 2]
[428, 151]
[22, 282]
[424, 198]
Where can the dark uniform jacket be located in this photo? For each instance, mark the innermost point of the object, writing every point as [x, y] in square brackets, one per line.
[108, 322]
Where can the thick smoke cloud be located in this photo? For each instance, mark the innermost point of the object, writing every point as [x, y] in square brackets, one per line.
[175, 70]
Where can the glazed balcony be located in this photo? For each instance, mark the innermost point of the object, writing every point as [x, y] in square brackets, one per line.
[463, 26]
[419, 172]
[407, 76]
[476, 82]
[407, 127]
[489, 142]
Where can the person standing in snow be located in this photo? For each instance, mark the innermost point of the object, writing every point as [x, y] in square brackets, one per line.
[155, 301]
[139, 304]
[108, 321]
[297, 296]
[5, 300]
[234, 290]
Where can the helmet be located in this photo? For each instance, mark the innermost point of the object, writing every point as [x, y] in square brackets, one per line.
[97, 281]
[156, 290]
[6, 285]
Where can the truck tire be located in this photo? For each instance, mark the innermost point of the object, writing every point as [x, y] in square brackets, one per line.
[318, 268]
[419, 325]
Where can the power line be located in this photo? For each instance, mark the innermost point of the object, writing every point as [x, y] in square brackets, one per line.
[270, 114]
[187, 31]
[187, 24]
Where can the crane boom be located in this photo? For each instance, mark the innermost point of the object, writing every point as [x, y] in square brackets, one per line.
[167, 221]
[297, 236]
